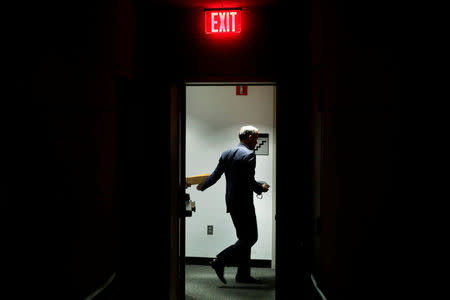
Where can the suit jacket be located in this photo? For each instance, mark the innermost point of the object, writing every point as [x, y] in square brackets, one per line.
[238, 164]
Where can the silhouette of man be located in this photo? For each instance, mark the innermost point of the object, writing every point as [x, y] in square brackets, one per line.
[239, 164]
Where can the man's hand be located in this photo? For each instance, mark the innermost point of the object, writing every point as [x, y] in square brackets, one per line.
[199, 186]
[265, 187]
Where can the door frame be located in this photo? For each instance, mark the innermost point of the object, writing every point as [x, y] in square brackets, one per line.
[177, 192]
[177, 226]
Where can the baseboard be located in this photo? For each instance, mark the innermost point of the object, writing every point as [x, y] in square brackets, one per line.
[319, 292]
[101, 288]
[255, 263]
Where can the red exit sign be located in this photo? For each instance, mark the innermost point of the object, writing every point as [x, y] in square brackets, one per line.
[223, 20]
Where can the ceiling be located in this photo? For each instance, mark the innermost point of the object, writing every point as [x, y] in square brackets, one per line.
[217, 3]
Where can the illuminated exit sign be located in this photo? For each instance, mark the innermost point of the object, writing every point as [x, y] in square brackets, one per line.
[223, 20]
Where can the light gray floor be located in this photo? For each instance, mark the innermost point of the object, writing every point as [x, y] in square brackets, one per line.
[202, 284]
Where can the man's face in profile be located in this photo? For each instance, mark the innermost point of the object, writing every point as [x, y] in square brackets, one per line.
[252, 141]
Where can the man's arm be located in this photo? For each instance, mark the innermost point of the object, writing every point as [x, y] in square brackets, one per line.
[256, 187]
[212, 179]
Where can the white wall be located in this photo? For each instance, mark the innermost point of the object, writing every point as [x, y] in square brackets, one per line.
[214, 115]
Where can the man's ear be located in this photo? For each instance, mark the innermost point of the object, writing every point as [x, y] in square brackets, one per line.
[251, 136]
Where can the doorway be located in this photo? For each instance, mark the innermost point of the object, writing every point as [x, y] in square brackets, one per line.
[213, 115]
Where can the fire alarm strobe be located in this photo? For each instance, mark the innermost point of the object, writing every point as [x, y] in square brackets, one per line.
[241, 90]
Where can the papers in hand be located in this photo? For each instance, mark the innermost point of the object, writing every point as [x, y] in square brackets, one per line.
[197, 179]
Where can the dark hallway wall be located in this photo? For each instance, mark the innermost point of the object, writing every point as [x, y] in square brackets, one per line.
[59, 127]
[353, 101]
[358, 224]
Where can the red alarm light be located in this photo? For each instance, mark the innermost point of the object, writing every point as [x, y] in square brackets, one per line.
[223, 20]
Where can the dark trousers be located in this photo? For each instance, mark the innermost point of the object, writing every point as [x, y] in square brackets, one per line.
[247, 234]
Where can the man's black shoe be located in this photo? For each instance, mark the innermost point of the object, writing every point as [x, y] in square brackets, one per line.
[219, 267]
[248, 279]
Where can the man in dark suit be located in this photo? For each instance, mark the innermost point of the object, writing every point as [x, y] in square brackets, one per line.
[239, 164]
